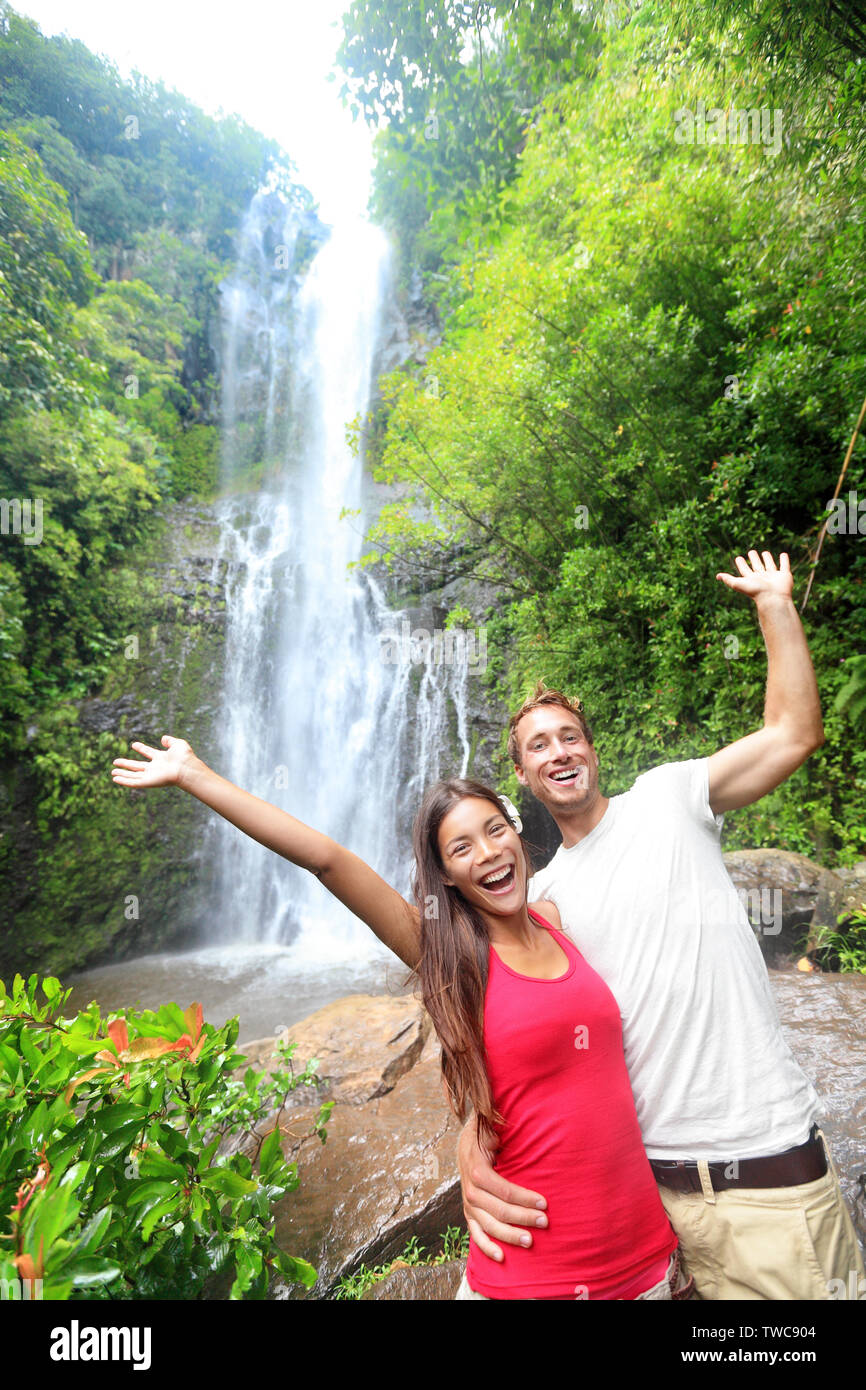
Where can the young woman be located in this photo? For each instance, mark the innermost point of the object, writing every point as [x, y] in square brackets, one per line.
[531, 1037]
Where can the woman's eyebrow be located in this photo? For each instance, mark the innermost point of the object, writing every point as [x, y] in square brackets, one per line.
[455, 839]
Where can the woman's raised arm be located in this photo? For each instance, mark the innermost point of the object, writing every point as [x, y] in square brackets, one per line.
[394, 921]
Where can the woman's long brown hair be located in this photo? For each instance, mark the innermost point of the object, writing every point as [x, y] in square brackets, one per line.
[455, 951]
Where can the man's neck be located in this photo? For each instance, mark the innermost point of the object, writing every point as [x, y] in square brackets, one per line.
[575, 826]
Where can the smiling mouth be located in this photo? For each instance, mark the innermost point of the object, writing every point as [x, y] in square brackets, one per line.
[565, 776]
[499, 880]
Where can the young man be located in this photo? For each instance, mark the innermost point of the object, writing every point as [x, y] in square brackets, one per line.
[728, 1117]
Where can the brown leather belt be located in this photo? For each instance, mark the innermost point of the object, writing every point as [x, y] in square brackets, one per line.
[805, 1163]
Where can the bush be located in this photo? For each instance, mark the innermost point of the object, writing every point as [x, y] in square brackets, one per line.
[842, 949]
[455, 1246]
[110, 1181]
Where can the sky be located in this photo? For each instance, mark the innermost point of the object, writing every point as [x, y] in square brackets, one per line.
[267, 60]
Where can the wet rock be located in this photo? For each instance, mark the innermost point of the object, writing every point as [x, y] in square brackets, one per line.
[823, 1021]
[410, 329]
[786, 896]
[386, 1173]
[363, 1044]
[853, 882]
[419, 1281]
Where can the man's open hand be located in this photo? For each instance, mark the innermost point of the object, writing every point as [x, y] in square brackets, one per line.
[761, 577]
[492, 1205]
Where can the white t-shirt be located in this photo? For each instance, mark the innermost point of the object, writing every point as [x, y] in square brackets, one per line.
[648, 901]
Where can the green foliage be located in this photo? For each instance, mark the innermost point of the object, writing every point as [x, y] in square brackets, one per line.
[455, 1246]
[110, 1178]
[44, 272]
[458, 84]
[119, 204]
[195, 469]
[851, 699]
[817, 49]
[842, 948]
[96, 480]
[653, 361]
[133, 154]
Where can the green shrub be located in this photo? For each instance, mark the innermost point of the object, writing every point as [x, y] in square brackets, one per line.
[843, 948]
[195, 466]
[111, 1185]
[455, 1246]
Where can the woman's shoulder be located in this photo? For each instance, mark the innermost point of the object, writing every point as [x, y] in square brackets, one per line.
[549, 911]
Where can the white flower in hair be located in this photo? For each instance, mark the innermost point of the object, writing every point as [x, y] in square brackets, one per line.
[512, 813]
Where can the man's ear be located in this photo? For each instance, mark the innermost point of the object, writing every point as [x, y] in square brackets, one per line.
[520, 775]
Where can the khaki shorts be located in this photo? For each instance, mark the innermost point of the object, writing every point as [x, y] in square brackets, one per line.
[661, 1290]
[776, 1243]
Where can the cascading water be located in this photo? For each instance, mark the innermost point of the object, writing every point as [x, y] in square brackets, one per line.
[321, 714]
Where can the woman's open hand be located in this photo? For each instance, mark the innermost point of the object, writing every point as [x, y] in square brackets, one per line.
[163, 768]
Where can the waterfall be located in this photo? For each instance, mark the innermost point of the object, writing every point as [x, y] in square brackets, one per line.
[321, 713]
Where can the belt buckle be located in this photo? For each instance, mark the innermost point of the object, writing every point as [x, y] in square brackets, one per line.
[682, 1167]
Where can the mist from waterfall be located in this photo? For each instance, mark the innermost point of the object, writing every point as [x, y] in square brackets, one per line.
[318, 713]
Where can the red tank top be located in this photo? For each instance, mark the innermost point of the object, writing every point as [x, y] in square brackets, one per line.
[557, 1072]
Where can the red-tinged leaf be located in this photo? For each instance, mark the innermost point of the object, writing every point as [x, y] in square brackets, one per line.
[119, 1034]
[106, 1056]
[193, 1056]
[26, 1267]
[193, 1019]
[143, 1049]
[85, 1076]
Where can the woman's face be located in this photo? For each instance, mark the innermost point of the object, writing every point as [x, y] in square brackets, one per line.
[482, 856]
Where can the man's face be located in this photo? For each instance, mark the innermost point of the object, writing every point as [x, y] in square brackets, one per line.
[559, 766]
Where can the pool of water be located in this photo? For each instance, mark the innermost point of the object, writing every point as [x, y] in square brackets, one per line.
[267, 987]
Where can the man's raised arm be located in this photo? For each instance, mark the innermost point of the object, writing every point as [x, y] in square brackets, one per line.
[492, 1205]
[748, 769]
